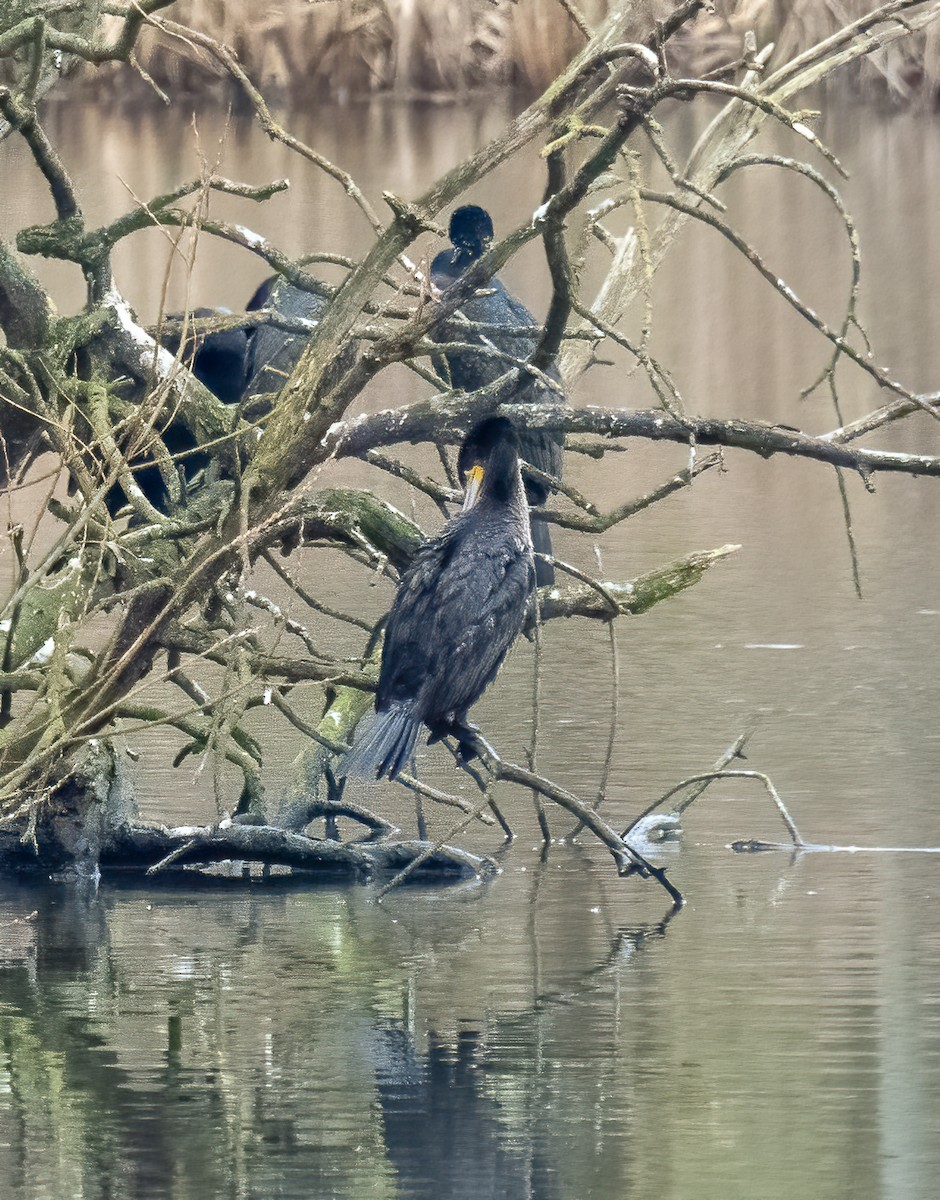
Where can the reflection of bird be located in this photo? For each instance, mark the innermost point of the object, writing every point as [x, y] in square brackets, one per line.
[273, 353]
[471, 232]
[457, 612]
[445, 1132]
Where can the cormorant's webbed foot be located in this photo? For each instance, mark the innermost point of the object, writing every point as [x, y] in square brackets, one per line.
[466, 734]
[470, 741]
[466, 744]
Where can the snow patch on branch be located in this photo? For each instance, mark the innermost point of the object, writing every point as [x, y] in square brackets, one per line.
[152, 356]
[45, 652]
[252, 239]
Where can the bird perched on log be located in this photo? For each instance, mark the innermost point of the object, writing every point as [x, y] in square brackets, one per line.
[487, 353]
[458, 610]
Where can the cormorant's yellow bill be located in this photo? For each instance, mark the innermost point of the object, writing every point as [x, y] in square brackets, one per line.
[472, 485]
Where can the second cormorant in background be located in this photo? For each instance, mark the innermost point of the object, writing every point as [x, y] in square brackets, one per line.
[218, 360]
[471, 232]
[458, 610]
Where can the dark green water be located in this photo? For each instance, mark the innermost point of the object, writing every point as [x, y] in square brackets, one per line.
[546, 1035]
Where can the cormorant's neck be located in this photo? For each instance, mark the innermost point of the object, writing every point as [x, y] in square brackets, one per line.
[449, 265]
[502, 482]
[463, 257]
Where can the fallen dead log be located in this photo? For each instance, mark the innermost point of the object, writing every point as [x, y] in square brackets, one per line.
[154, 849]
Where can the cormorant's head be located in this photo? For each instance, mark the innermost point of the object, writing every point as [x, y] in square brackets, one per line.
[489, 460]
[471, 230]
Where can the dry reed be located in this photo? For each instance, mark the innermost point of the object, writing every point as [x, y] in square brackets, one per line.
[351, 49]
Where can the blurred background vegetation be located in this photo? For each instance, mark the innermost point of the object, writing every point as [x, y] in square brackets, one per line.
[442, 49]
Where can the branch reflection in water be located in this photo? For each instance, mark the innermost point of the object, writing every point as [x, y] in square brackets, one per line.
[133, 1023]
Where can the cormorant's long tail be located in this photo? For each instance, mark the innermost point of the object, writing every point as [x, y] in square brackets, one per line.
[542, 544]
[386, 747]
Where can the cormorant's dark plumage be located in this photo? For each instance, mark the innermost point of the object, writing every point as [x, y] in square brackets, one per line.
[273, 352]
[471, 232]
[458, 610]
[232, 364]
[261, 296]
[218, 360]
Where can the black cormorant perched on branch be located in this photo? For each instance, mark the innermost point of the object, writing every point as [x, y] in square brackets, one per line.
[458, 610]
[471, 232]
[218, 360]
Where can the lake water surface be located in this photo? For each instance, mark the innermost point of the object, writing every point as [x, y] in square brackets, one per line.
[550, 1034]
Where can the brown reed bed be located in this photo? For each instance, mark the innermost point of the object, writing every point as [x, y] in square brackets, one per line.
[347, 50]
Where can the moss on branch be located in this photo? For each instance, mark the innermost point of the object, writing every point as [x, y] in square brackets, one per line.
[606, 600]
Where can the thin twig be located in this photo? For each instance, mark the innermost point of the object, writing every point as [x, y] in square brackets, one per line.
[624, 855]
[532, 751]
[709, 776]
[415, 785]
[614, 713]
[178, 852]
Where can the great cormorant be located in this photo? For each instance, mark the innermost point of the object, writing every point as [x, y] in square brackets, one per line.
[471, 232]
[261, 296]
[251, 360]
[458, 610]
[218, 360]
[233, 364]
[236, 365]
